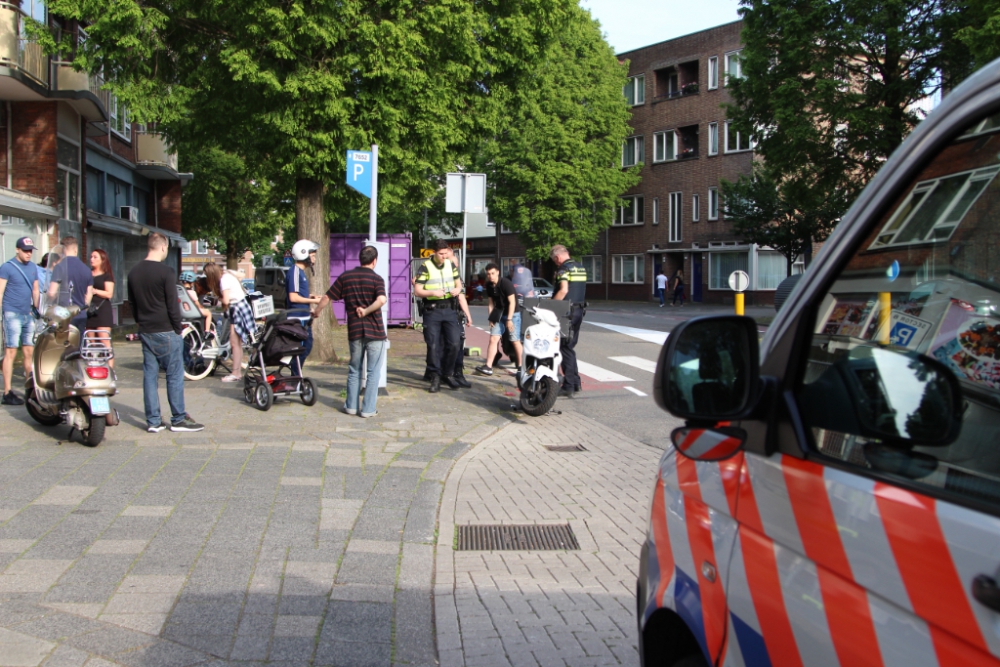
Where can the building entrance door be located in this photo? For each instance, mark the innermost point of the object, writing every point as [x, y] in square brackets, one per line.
[696, 278]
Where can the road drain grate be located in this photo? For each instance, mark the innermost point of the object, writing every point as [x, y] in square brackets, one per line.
[565, 448]
[516, 538]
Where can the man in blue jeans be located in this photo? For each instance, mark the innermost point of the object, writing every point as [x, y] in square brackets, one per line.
[152, 291]
[363, 292]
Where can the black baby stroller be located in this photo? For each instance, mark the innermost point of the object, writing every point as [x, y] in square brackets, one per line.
[277, 345]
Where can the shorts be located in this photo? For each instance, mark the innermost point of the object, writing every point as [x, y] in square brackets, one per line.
[501, 326]
[18, 330]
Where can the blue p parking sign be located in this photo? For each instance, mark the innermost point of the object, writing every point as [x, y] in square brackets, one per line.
[359, 171]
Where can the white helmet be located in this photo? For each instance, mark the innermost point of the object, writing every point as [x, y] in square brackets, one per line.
[301, 250]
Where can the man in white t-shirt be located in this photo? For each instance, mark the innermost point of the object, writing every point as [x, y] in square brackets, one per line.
[661, 285]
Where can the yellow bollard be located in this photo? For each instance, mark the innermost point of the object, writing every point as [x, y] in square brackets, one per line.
[739, 303]
[884, 316]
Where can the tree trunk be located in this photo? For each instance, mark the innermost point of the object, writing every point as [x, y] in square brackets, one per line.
[310, 224]
[232, 258]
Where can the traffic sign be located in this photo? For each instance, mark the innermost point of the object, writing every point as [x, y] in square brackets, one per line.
[739, 281]
[359, 171]
[465, 193]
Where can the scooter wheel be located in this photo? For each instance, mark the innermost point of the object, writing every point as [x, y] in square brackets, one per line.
[43, 418]
[95, 433]
[542, 400]
[308, 390]
[263, 396]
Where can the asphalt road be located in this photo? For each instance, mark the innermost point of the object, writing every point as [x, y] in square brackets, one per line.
[619, 346]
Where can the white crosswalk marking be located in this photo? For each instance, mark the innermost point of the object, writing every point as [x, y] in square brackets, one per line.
[636, 391]
[648, 335]
[638, 362]
[600, 374]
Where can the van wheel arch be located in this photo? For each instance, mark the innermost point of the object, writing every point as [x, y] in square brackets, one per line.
[666, 641]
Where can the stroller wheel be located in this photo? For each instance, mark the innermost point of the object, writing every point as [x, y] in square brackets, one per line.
[308, 390]
[248, 389]
[263, 397]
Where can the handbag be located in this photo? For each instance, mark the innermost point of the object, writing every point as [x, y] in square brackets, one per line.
[92, 310]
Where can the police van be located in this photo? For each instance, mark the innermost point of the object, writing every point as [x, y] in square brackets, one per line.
[834, 495]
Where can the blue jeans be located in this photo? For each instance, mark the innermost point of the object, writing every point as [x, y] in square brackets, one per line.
[308, 344]
[375, 351]
[661, 292]
[162, 351]
[18, 330]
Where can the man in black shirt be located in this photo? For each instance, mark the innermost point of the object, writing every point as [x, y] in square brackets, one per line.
[152, 291]
[504, 316]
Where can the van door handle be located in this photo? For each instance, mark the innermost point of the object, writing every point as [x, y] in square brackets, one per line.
[986, 591]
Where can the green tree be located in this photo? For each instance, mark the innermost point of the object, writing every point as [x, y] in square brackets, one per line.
[555, 168]
[981, 34]
[226, 204]
[829, 89]
[292, 84]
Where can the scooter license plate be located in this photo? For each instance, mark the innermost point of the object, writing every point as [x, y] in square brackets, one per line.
[99, 405]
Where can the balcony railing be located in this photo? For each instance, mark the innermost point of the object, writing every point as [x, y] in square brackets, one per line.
[152, 149]
[16, 51]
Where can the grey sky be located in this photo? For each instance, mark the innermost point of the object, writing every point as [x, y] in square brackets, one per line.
[630, 24]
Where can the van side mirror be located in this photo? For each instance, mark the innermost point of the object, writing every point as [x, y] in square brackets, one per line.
[709, 369]
[708, 444]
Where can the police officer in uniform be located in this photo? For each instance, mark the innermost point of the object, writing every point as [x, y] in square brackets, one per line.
[439, 285]
[571, 285]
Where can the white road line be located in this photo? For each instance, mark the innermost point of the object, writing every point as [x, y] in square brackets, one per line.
[638, 362]
[600, 374]
[648, 335]
[636, 391]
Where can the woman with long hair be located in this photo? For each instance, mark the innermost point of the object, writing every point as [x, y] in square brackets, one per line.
[226, 285]
[104, 289]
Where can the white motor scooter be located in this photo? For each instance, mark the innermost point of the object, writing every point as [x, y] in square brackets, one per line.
[540, 362]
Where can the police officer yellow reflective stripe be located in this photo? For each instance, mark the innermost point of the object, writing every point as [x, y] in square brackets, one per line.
[576, 275]
[435, 278]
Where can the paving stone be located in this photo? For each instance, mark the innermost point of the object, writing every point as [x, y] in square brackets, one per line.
[20, 650]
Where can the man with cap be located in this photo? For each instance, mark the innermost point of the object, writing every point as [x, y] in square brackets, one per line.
[18, 296]
[571, 285]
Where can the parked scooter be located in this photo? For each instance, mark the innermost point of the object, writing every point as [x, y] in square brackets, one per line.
[71, 381]
[538, 378]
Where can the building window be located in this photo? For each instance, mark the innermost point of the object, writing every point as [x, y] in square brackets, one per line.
[628, 269]
[594, 265]
[934, 209]
[676, 201]
[186, 249]
[713, 72]
[737, 141]
[721, 264]
[713, 203]
[734, 66]
[772, 268]
[632, 151]
[201, 247]
[68, 179]
[695, 208]
[118, 119]
[632, 211]
[504, 229]
[635, 90]
[508, 263]
[713, 138]
[656, 210]
[664, 146]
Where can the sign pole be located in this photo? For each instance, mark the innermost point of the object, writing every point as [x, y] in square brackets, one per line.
[465, 225]
[373, 203]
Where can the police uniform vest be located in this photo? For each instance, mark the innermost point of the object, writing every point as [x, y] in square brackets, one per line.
[439, 279]
[576, 276]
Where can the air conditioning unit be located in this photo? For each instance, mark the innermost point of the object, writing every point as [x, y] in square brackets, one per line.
[130, 213]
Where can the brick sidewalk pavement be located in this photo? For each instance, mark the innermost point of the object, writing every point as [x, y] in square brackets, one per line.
[545, 608]
[299, 536]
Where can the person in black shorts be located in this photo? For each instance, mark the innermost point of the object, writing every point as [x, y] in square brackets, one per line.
[104, 289]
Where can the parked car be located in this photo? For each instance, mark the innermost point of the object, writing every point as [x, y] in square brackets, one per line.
[249, 284]
[270, 281]
[834, 496]
[543, 288]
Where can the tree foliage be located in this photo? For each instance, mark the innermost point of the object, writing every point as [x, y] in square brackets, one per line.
[226, 204]
[292, 84]
[555, 168]
[830, 88]
[981, 34]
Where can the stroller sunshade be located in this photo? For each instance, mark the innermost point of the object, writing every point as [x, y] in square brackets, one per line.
[285, 338]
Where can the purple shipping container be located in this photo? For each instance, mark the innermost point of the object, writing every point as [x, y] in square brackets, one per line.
[344, 249]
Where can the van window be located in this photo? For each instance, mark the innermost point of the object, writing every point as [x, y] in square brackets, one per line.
[269, 277]
[925, 283]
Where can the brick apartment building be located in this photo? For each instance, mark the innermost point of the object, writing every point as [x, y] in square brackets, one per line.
[195, 254]
[673, 218]
[71, 161]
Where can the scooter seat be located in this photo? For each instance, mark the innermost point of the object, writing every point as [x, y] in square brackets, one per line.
[70, 354]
